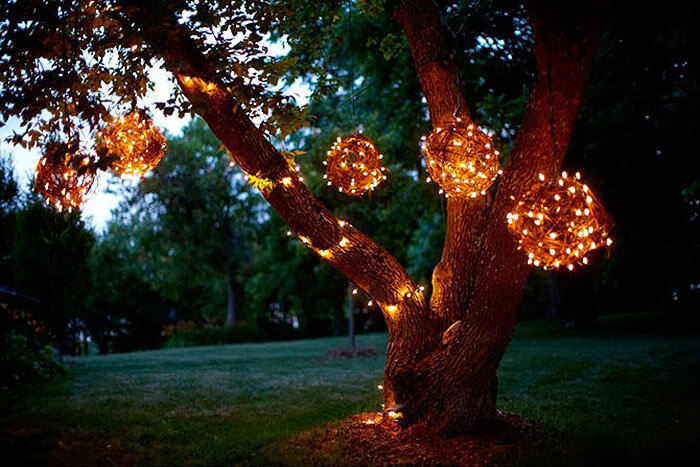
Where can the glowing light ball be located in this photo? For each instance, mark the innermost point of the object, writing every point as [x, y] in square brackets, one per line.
[136, 143]
[353, 165]
[461, 159]
[557, 223]
[63, 176]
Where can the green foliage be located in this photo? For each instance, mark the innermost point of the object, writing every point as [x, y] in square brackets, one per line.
[49, 262]
[9, 189]
[639, 153]
[290, 283]
[26, 354]
[183, 234]
[22, 366]
[124, 311]
[68, 65]
[236, 334]
[9, 197]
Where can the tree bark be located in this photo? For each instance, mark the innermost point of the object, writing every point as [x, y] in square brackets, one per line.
[479, 281]
[443, 355]
[230, 301]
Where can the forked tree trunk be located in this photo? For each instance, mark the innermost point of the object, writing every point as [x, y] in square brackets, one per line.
[442, 355]
[478, 284]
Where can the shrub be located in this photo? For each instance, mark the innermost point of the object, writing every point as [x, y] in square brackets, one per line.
[26, 356]
[21, 365]
[186, 336]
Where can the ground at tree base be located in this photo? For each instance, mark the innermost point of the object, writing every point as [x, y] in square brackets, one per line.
[354, 441]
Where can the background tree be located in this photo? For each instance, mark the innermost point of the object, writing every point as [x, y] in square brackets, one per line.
[9, 198]
[125, 311]
[204, 212]
[50, 263]
[192, 224]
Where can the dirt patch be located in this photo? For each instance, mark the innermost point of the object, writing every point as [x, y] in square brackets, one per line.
[371, 439]
[349, 352]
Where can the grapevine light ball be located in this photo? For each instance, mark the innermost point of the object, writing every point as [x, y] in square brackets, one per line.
[63, 176]
[136, 143]
[353, 165]
[461, 159]
[559, 222]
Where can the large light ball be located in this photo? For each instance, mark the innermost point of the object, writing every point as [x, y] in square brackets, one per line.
[63, 176]
[136, 144]
[558, 222]
[461, 159]
[353, 165]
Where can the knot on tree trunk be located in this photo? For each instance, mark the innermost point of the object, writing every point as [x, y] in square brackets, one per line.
[449, 335]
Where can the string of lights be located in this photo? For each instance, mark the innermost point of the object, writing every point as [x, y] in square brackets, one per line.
[353, 165]
[558, 222]
[136, 143]
[63, 176]
[461, 159]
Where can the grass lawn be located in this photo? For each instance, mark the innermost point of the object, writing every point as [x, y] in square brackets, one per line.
[606, 396]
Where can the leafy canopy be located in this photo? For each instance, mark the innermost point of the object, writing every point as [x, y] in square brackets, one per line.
[67, 66]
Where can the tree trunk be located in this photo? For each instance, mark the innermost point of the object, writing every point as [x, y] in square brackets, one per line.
[553, 296]
[478, 284]
[351, 317]
[442, 355]
[230, 301]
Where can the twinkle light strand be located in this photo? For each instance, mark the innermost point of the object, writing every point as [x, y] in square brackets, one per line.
[461, 159]
[407, 292]
[135, 141]
[353, 165]
[558, 222]
[63, 176]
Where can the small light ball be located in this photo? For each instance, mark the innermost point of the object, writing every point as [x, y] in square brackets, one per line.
[135, 142]
[64, 176]
[557, 223]
[461, 159]
[353, 165]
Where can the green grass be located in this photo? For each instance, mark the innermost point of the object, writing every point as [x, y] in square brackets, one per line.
[604, 397]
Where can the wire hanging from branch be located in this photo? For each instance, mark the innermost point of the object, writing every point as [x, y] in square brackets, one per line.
[353, 164]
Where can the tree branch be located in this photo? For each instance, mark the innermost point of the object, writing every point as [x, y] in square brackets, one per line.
[439, 81]
[341, 245]
[566, 34]
[481, 275]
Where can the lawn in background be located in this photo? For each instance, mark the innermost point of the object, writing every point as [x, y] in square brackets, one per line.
[619, 394]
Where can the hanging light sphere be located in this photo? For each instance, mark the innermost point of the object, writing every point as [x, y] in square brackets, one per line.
[63, 176]
[353, 165]
[136, 143]
[559, 222]
[461, 159]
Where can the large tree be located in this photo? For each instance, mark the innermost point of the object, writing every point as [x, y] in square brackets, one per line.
[59, 59]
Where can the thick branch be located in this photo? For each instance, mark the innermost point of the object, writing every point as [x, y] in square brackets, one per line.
[340, 244]
[439, 80]
[565, 39]
[432, 57]
[481, 276]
